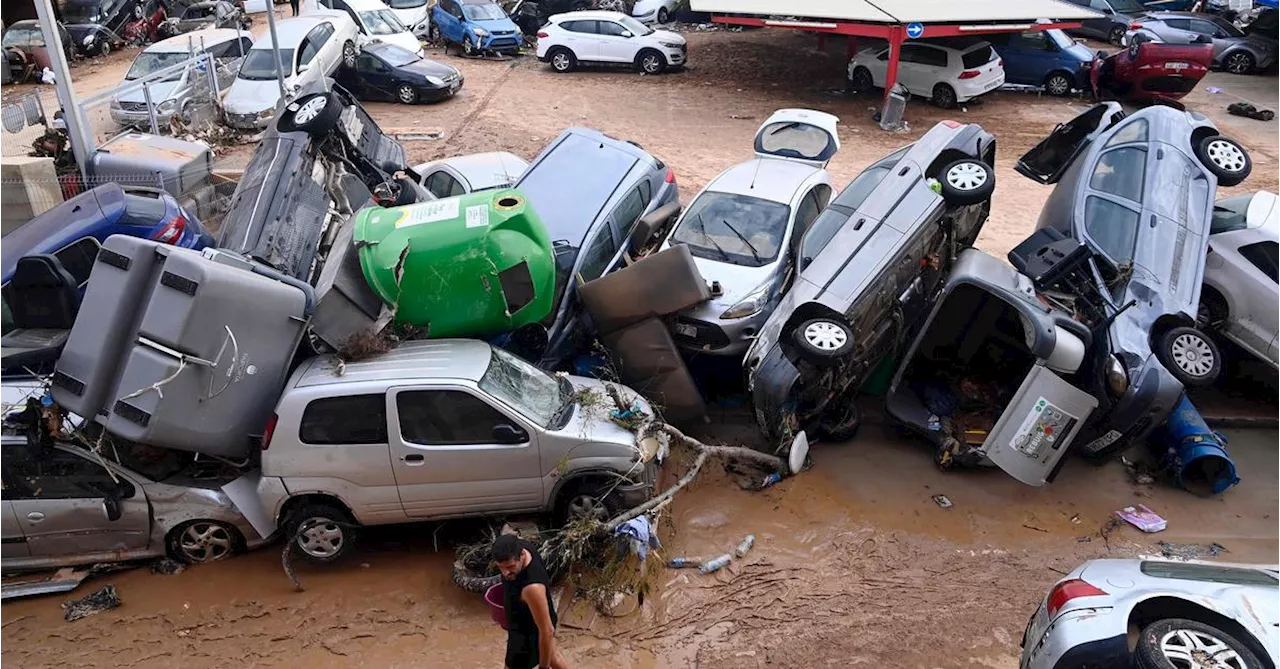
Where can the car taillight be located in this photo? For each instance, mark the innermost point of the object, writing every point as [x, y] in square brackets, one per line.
[270, 432]
[172, 230]
[1068, 590]
[671, 176]
[969, 74]
[1000, 63]
[1135, 26]
[543, 35]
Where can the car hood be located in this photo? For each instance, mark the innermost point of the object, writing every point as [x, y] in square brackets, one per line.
[159, 93]
[410, 17]
[247, 96]
[1078, 52]
[590, 422]
[736, 282]
[403, 40]
[667, 36]
[429, 68]
[493, 25]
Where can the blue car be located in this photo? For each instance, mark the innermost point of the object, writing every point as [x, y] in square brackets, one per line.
[1045, 58]
[478, 26]
[73, 230]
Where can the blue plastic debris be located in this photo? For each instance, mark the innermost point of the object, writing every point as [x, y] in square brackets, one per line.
[1196, 454]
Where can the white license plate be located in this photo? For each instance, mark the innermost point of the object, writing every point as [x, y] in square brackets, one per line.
[1176, 66]
[686, 330]
[1104, 441]
[991, 85]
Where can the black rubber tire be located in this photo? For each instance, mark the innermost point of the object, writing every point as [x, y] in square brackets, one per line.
[406, 94]
[1116, 35]
[1240, 62]
[321, 124]
[1207, 348]
[469, 48]
[569, 62]
[861, 80]
[104, 49]
[651, 61]
[840, 345]
[1214, 144]
[958, 196]
[1058, 84]
[1149, 656]
[663, 16]
[944, 97]
[348, 55]
[433, 35]
[174, 550]
[600, 492]
[343, 523]
[841, 423]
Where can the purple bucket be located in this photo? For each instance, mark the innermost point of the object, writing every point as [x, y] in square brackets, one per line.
[493, 597]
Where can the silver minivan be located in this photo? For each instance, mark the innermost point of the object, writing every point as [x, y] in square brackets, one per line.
[181, 94]
[444, 429]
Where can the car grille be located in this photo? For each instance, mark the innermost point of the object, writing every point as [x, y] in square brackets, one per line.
[499, 41]
[242, 119]
[133, 106]
[708, 335]
[503, 32]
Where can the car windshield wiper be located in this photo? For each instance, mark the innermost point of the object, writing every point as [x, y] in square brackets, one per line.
[702, 227]
[751, 246]
[566, 400]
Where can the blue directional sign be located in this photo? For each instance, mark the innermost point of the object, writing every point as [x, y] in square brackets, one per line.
[915, 30]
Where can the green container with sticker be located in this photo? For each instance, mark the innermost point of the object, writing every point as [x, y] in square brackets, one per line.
[472, 265]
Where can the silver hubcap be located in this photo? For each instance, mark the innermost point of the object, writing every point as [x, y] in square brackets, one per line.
[349, 55]
[406, 94]
[1059, 85]
[1238, 64]
[1226, 155]
[205, 542]
[966, 176]
[825, 336]
[650, 63]
[321, 539]
[309, 110]
[1191, 649]
[586, 506]
[1191, 353]
[561, 61]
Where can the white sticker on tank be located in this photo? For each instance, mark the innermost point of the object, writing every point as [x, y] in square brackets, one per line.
[478, 216]
[429, 212]
[1045, 427]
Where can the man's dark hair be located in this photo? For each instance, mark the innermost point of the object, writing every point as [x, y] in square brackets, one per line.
[505, 547]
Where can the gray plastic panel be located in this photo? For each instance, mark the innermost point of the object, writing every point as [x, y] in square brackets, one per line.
[1037, 427]
[119, 286]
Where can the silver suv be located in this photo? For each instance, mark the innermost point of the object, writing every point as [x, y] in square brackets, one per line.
[442, 429]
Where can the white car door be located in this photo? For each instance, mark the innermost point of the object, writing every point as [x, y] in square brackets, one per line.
[1253, 262]
[580, 38]
[616, 43]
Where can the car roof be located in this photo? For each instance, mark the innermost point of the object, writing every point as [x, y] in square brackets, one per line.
[771, 179]
[366, 5]
[57, 227]
[588, 14]
[481, 167]
[292, 30]
[459, 359]
[180, 43]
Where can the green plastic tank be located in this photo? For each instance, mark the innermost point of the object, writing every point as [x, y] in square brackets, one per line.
[472, 265]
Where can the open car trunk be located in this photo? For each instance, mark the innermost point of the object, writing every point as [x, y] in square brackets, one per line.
[986, 379]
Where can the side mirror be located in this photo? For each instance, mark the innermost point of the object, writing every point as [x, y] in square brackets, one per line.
[111, 508]
[650, 225]
[626, 33]
[509, 434]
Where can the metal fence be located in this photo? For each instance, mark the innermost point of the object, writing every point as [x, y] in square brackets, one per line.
[23, 119]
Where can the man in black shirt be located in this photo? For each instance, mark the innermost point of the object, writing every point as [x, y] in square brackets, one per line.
[531, 616]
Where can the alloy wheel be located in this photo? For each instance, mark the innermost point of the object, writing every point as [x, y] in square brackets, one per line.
[587, 506]
[1193, 649]
[966, 176]
[1239, 63]
[560, 61]
[825, 336]
[407, 95]
[309, 110]
[322, 538]
[1192, 354]
[1226, 155]
[205, 542]
[650, 64]
[1058, 85]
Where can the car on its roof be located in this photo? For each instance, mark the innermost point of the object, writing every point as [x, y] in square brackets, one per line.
[471, 173]
[743, 229]
[590, 190]
[867, 271]
[1116, 614]
[1233, 50]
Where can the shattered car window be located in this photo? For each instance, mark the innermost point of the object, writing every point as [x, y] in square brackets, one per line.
[736, 229]
[382, 22]
[530, 390]
[1121, 172]
[146, 63]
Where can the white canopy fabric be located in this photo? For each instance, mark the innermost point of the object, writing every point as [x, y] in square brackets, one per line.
[903, 11]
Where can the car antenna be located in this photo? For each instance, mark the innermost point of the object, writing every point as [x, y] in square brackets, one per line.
[756, 174]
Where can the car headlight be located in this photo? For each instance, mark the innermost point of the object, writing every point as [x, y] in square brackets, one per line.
[750, 305]
[481, 32]
[1117, 377]
[670, 45]
[167, 106]
[88, 39]
[435, 81]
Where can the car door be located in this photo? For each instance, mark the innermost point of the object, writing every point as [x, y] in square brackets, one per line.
[807, 210]
[375, 79]
[328, 50]
[582, 40]
[13, 543]
[614, 43]
[930, 67]
[909, 72]
[1048, 160]
[455, 453]
[60, 502]
[801, 135]
[624, 216]
[1213, 32]
[449, 20]
[1176, 31]
[1255, 296]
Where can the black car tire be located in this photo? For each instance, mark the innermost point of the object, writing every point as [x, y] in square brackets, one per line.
[861, 80]
[651, 61]
[1190, 355]
[967, 181]
[1150, 651]
[469, 48]
[584, 498]
[104, 49]
[325, 518]
[562, 60]
[663, 16]
[944, 97]
[1058, 83]
[433, 35]
[1240, 62]
[841, 423]
[407, 94]
[348, 55]
[823, 341]
[314, 121]
[1225, 158]
[1116, 35]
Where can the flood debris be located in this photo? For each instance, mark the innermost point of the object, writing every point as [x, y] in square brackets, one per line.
[100, 601]
[684, 562]
[942, 501]
[745, 546]
[64, 580]
[166, 567]
[1247, 110]
[1142, 518]
[715, 564]
[1191, 551]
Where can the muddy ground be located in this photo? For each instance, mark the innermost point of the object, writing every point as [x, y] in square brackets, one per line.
[854, 562]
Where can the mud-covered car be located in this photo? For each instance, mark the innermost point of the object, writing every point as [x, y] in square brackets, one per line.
[1138, 191]
[869, 267]
[322, 159]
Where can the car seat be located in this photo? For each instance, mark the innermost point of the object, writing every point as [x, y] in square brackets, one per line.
[44, 300]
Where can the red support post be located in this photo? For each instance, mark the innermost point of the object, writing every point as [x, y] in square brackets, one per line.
[896, 35]
[822, 41]
[851, 47]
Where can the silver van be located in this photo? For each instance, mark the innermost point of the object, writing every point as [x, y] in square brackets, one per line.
[443, 429]
[183, 93]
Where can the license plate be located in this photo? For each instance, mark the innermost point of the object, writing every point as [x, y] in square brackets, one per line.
[1104, 441]
[686, 330]
[453, 88]
[1176, 66]
[991, 85]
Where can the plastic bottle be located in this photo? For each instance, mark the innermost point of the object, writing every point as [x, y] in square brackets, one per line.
[770, 480]
[715, 564]
[745, 545]
[683, 562]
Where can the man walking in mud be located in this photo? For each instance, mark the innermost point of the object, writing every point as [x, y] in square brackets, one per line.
[526, 599]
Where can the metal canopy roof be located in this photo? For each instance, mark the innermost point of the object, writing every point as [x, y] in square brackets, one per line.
[903, 11]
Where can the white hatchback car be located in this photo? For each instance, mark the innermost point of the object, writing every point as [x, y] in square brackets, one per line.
[1240, 289]
[312, 47]
[947, 72]
[460, 175]
[375, 21]
[609, 38]
[414, 14]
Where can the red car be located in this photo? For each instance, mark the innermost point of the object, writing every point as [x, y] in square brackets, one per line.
[1150, 71]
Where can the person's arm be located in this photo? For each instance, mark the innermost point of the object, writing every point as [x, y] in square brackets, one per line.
[535, 596]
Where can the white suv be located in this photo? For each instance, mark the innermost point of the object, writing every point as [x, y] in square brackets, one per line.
[608, 37]
[946, 71]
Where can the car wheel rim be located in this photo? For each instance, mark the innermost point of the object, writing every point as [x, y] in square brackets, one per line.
[322, 538]
[406, 94]
[662, 15]
[309, 110]
[205, 542]
[349, 55]
[586, 506]
[650, 63]
[966, 176]
[106, 48]
[561, 61]
[1238, 64]
[1193, 649]
[1192, 354]
[1058, 85]
[825, 336]
[1226, 155]
[945, 97]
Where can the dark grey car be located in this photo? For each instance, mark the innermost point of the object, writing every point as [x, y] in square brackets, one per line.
[869, 267]
[1138, 191]
[1233, 50]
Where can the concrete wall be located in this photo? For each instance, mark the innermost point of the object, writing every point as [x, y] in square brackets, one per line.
[28, 187]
